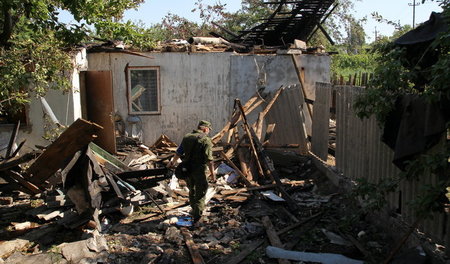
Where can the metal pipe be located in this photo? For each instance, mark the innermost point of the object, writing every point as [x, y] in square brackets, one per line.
[48, 110]
[211, 40]
[205, 40]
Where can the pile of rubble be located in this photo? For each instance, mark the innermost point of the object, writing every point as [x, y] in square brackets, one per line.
[76, 203]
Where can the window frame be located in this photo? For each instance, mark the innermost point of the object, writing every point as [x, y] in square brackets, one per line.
[158, 90]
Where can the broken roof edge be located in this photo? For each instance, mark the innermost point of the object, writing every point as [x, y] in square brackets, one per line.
[211, 48]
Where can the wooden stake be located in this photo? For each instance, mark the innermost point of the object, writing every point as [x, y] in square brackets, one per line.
[273, 237]
[250, 137]
[193, 248]
[269, 169]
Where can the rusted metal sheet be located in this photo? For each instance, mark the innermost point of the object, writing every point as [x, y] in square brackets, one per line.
[100, 107]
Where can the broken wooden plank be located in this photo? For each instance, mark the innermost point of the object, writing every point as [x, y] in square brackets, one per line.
[239, 172]
[12, 140]
[253, 246]
[249, 135]
[269, 132]
[61, 203]
[13, 162]
[244, 161]
[6, 200]
[28, 185]
[359, 246]
[233, 148]
[273, 237]
[58, 154]
[248, 249]
[144, 173]
[141, 160]
[289, 228]
[51, 215]
[308, 114]
[236, 198]
[269, 170]
[266, 146]
[295, 219]
[249, 106]
[114, 185]
[254, 188]
[18, 148]
[192, 247]
[164, 142]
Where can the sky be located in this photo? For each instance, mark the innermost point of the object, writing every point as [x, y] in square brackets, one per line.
[153, 11]
[394, 10]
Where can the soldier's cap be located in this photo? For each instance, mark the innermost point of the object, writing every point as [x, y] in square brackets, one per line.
[205, 123]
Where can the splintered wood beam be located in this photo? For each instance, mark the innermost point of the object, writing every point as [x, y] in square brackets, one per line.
[259, 123]
[250, 137]
[239, 172]
[267, 146]
[248, 189]
[251, 104]
[18, 148]
[233, 148]
[269, 170]
[273, 237]
[33, 189]
[230, 134]
[269, 131]
[13, 162]
[301, 78]
[244, 163]
[248, 249]
[193, 248]
[59, 153]
[12, 140]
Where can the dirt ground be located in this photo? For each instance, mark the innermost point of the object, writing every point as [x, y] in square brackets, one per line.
[326, 221]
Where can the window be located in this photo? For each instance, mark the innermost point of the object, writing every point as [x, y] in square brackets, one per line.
[143, 90]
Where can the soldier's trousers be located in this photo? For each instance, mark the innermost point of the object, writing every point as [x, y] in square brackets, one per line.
[198, 186]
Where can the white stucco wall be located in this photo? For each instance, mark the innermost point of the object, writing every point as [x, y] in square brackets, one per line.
[193, 87]
[198, 86]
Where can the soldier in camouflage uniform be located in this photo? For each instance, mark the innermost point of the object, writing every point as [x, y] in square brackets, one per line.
[196, 149]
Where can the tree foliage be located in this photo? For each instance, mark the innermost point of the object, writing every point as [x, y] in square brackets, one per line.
[35, 45]
[395, 76]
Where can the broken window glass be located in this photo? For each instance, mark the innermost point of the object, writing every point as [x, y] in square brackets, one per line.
[144, 90]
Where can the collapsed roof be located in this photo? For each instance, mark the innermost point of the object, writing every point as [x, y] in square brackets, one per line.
[291, 20]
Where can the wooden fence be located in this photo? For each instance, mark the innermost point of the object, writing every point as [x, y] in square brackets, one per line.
[361, 154]
[360, 79]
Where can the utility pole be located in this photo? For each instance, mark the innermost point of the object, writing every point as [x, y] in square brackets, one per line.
[414, 4]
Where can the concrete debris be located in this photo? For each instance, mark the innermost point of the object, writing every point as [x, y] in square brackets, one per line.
[173, 235]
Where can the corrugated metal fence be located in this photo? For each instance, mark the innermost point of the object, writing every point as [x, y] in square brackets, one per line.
[361, 154]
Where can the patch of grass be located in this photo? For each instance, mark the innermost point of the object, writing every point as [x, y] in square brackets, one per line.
[235, 245]
[36, 203]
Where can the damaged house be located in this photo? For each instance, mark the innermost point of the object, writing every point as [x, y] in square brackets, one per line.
[281, 131]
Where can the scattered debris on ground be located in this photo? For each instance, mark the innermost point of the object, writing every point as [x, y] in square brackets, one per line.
[73, 202]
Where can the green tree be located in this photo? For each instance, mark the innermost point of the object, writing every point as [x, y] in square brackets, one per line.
[35, 45]
[394, 77]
